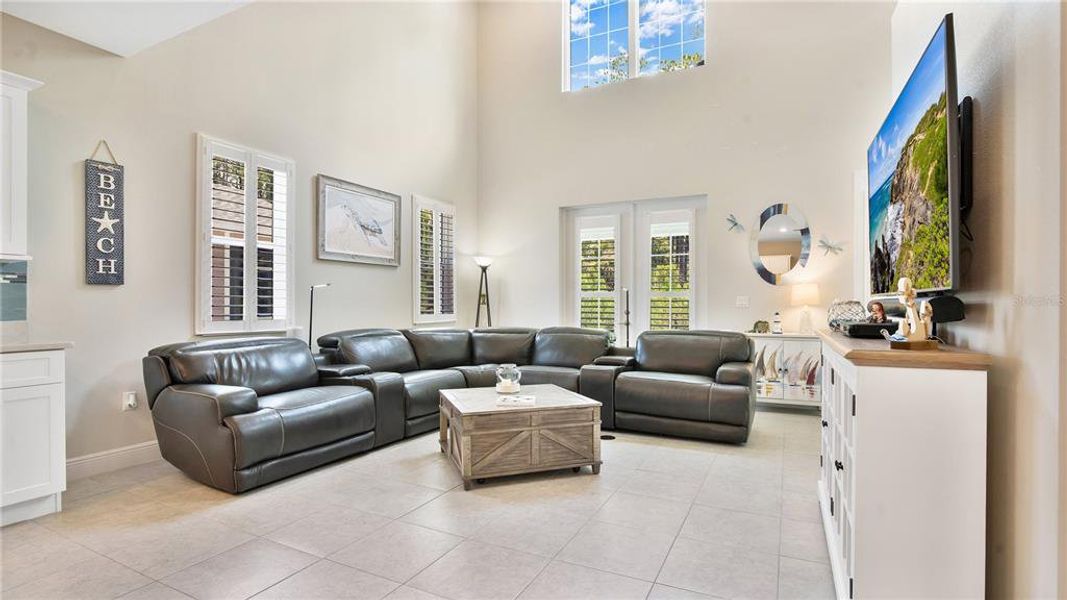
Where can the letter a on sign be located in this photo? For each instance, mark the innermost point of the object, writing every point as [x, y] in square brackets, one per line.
[105, 224]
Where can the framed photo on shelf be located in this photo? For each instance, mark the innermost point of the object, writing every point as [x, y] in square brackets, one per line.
[357, 223]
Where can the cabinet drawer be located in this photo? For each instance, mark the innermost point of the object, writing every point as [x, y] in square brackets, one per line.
[499, 421]
[568, 415]
[21, 369]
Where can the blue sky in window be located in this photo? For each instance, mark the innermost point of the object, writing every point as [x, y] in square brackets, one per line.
[599, 32]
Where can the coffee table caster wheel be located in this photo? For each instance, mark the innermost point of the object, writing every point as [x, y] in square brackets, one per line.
[480, 481]
[576, 469]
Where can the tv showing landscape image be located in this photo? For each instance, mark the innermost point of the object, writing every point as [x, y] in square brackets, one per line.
[907, 179]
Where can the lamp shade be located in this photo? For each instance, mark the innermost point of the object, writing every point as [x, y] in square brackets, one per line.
[805, 294]
[483, 261]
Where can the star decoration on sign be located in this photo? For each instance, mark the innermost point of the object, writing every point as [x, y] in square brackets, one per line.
[106, 222]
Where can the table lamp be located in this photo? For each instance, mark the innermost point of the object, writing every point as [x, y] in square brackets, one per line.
[483, 291]
[805, 295]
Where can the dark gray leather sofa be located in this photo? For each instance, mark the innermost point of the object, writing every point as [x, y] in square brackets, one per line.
[412, 366]
[239, 413]
[696, 384]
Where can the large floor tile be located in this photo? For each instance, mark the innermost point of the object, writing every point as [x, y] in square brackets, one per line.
[805, 540]
[565, 581]
[155, 591]
[682, 486]
[48, 555]
[801, 506]
[617, 549]
[97, 577]
[804, 580]
[327, 580]
[724, 492]
[328, 530]
[397, 551]
[477, 570]
[536, 531]
[720, 570]
[384, 497]
[406, 592]
[240, 572]
[733, 528]
[666, 592]
[646, 513]
[683, 461]
[457, 512]
[264, 511]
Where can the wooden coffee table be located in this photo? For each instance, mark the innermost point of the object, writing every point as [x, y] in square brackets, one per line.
[484, 440]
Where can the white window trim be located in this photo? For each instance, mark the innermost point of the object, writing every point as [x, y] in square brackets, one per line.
[206, 148]
[632, 260]
[438, 207]
[633, 29]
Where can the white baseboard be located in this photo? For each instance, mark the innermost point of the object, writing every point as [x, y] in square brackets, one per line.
[81, 467]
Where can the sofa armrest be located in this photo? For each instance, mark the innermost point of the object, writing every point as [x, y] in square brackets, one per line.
[598, 382]
[388, 391]
[228, 400]
[618, 360]
[736, 373]
[342, 370]
[478, 375]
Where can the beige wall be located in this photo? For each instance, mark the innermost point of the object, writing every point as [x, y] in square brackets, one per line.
[782, 112]
[381, 95]
[1008, 60]
[1063, 303]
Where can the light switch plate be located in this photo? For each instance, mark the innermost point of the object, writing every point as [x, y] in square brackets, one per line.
[742, 302]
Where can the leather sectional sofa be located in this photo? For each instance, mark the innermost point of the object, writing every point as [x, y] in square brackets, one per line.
[239, 413]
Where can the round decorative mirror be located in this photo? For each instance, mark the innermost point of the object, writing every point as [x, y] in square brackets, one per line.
[780, 243]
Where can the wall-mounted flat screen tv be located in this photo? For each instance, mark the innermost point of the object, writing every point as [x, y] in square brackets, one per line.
[913, 179]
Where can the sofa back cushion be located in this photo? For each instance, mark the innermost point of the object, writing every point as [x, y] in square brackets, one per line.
[501, 345]
[267, 365]
[569, 346]
[440, 348]
[379, 349]
[693, 352]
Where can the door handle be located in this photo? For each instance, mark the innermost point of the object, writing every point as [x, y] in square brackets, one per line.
[839, 465]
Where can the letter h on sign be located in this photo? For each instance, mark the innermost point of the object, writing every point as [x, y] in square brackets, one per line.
[104, 224]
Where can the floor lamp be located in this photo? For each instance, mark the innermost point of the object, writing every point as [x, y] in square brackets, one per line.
[311, 308]
[483, 291]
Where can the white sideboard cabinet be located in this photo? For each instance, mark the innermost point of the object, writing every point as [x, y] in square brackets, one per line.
[32, 431]
[13, 148]
[787, 368]
[902, 486]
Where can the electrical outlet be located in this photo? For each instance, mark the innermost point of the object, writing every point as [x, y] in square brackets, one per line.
[742, 302]
[129, 401]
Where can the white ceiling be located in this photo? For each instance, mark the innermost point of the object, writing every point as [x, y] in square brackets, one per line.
[122, 28]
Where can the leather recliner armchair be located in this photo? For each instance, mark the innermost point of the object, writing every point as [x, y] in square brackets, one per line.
[239, 413]
[697, 384]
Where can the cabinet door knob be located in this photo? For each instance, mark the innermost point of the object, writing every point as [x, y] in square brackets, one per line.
[825, 424]
[839, 465]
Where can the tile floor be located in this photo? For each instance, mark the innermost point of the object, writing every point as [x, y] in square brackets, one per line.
[666, 518]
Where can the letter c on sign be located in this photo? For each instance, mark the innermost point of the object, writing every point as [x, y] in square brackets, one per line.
[109, 242]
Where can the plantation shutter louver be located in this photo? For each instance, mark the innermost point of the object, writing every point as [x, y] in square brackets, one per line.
[669, 283]
[435, 289]
[244, 265]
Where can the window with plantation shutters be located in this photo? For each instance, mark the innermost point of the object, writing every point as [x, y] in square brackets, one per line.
[596, 277]
[669, 289]
[244, 278]
[435, 254]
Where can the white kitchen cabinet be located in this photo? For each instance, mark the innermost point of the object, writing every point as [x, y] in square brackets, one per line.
[32, 434]
[787, 368]
[14, 90]
[902, 485]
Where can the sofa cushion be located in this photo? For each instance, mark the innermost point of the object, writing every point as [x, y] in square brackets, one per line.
[421, 390]
[440, 348]
[478, 375]
[381, 350]
[681, 396]
[293, 421]
[502, 346]
[267, 365]
[691, 352]
[569, 346]
[564, 377]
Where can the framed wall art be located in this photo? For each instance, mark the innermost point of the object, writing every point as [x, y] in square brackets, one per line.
[357, 223]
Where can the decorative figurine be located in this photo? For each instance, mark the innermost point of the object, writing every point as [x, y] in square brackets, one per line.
[877, 313]
[917, 325]
[760, 327]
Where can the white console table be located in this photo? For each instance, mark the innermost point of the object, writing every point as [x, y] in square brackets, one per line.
[787, 368]
[33, 458]
[903, 481]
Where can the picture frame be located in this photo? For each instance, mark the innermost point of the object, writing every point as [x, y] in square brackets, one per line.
[357, 223]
